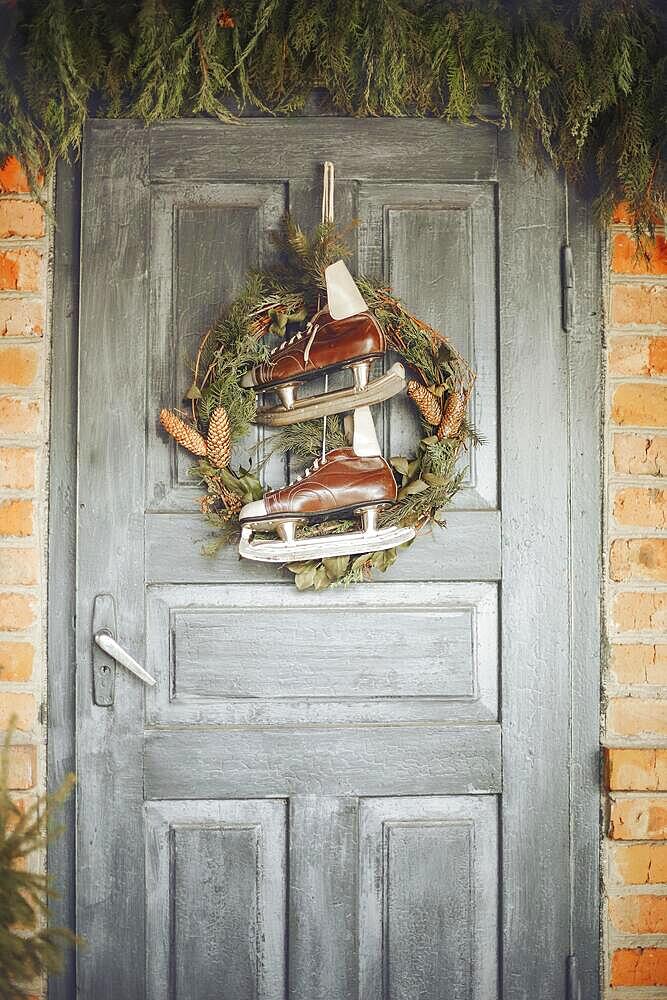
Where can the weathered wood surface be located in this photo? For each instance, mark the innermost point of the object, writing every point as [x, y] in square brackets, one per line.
[585, 401]
[433, 654]
[535, 605]
[112, 414]
[467, 549]
[216, 891]
[371, 760]
[428, 886]
[61, 610]
[374, 149]
[323, 897]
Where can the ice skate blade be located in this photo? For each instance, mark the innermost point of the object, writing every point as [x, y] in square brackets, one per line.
[388, 385]
[322, 547]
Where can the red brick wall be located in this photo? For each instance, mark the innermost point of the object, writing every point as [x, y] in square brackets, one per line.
[23, 467]
[635, 846]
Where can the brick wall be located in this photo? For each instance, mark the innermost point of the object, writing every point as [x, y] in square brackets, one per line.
[635, 846]
[23, 469]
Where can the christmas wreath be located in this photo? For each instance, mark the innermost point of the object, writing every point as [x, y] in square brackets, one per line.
[219, 410]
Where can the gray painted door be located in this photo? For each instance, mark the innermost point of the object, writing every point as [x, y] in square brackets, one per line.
[350, 795]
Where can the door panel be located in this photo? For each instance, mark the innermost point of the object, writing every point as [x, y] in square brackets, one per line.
[322, 798]
[205, 240]
[428, 894]
[388, 654]
[434, 244]
[216, 887]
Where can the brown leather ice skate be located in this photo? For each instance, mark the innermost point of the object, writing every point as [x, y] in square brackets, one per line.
[343, 484]
[348, 483]
[325, 345]
[330, 342]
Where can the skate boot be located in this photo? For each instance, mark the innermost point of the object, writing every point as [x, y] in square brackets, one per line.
[347, 483]
[343, 335]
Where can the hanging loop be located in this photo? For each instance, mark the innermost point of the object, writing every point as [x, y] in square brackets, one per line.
[328, 192]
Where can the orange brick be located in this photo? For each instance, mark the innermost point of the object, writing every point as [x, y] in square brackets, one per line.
[638, 819]
[20, 705]
[638, 355]
[626, 260]
[17, 468]
[21, 317]
[639, 967]
[638, 559]
[16, 518]
[637, 717]
[19, 364]
[646, 508]
[20, 270]
[640, 404]
[17, 612]
[641, 305]
[639, 664]
[657, 356]
[22, 766]
[628, 355]
[639, 455]
[16, 660]
[21, 218]
[639, 864]
[639, 914]
[635, 769]
[19, 567]
[638, 612]
[13, 179]
[19, 416]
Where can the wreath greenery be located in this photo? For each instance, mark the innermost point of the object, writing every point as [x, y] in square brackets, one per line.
[582, 81]
[269, 307]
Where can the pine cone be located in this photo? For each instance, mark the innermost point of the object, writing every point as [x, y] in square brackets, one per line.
[452, 416]
[185, 434]
[233, 501]
[219, 442]
[428, 405]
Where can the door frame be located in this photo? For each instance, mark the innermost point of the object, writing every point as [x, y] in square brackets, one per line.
[584, 493]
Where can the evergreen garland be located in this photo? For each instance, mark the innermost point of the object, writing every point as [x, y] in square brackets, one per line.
[583, 81]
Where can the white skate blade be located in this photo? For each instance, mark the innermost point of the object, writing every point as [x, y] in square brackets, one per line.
[313, 407]
[343, 297]
[322, 547]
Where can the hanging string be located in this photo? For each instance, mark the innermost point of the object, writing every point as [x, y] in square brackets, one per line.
[328, 192]
[327, 217]
[567, 267]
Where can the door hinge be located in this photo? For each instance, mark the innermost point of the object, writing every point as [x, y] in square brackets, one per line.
[567, 288]
[573, 984]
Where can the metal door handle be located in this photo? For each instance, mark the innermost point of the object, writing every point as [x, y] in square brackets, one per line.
[106, 642]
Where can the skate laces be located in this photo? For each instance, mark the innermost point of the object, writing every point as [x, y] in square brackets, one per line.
[310, 331]
[317, 464]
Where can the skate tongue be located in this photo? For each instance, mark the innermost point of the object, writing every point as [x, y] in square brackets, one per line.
[343, 297]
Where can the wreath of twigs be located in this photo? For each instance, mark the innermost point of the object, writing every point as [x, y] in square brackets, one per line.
[219, 412]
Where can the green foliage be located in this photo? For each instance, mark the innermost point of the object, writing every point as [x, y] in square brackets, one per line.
[28, 947]
[582, 81]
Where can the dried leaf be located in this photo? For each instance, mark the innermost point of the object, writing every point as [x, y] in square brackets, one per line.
[335, 566]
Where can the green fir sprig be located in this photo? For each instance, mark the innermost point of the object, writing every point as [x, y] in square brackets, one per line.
[29, 946]
[583, 82]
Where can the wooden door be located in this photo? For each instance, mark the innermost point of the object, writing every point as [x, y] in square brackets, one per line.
[356, 794]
